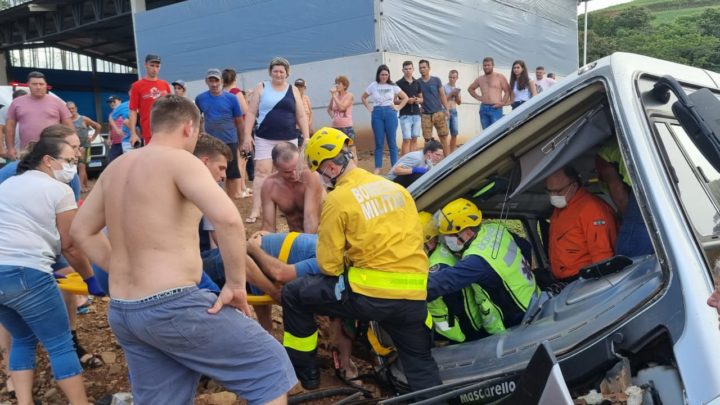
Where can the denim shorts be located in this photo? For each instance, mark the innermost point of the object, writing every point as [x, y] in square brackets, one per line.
[170, 340]
[349, 131]
[410, 126]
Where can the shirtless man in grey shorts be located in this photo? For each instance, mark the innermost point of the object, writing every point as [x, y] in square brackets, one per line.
[297, 195]
[171, 331]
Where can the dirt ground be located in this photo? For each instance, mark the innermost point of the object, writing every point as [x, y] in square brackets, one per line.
[95, 335]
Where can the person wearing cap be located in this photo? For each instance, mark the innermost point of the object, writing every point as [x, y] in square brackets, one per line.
[179, 87]
[278, 107]
[223, 120]
[142, 96]
[490, 256]
[118, 120]
[370, 253]
[302, 86]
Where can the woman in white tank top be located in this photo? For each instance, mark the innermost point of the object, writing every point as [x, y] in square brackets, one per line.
[521, 84]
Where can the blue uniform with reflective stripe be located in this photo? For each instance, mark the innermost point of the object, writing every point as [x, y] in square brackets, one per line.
[474, 269]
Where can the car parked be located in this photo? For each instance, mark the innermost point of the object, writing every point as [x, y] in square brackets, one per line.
[646, 318]
[98, 154]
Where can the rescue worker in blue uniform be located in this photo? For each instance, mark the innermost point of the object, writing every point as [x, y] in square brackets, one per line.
[460, 316]
[491, 257]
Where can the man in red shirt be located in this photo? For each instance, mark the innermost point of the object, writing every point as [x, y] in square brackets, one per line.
[142, 95]
[582, 227]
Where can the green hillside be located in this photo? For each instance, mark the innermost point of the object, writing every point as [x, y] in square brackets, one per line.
[664, 11]
[683, 31]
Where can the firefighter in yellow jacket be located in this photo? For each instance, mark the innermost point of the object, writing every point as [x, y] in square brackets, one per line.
[370, 252]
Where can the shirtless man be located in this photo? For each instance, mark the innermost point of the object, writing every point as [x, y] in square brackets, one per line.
[171, 331]
[494, 93]
[298, 197]
[454, 99]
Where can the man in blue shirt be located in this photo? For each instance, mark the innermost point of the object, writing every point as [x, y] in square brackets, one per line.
[435, 106]
[223, 119]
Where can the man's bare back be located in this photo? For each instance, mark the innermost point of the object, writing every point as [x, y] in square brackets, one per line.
[152, 227]
[299, 200]
[149, 200]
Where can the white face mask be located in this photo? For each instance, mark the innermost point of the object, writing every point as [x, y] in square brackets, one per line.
[558, 201]
[67, 173]
[454, 243]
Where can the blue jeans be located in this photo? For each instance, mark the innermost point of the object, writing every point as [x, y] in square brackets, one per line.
[489, 114]
[31, 308]
[453, 122]
[384, 125]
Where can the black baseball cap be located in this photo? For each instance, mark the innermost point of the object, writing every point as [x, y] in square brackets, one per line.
[112, 98]
[300, 83]
[151, 57]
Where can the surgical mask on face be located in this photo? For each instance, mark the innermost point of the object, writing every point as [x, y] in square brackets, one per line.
[558, 201]
[454, 243]
[67, 173]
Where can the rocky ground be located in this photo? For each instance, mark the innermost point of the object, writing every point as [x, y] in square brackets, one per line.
[95, 335]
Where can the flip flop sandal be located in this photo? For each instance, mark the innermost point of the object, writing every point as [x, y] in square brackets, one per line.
[91, 361]
[85, 308]
[251, 220]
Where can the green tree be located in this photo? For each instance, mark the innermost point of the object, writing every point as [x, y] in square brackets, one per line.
[708, 22]
[692, 40]
[633, 18]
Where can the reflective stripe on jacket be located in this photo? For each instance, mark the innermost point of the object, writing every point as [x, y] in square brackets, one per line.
[370, 225]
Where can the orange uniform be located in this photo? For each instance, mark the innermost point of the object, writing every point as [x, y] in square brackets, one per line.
[582, 233]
